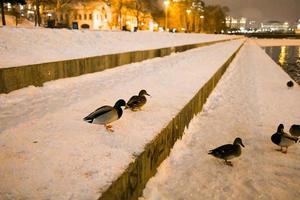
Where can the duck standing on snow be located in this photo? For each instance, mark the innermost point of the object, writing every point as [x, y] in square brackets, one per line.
[106, 114]
[283, 139]
[228, 151]
[290, 84]
[295, 130]
[137, 101]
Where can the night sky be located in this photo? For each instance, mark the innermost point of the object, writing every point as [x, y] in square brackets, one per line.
[262, 10]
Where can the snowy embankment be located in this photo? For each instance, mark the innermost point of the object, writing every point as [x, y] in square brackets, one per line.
[277, 42]
[21, 46]
[249, 102]
[48, 152]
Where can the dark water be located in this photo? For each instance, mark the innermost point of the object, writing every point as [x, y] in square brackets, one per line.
[288, 57]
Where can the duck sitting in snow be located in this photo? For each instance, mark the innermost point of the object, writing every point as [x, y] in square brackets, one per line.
[137, 101]
[106, 114]
[228, 151]
[295, 130]
[290, 84]
[283, 139]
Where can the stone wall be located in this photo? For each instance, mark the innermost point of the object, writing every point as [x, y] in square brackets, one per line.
[19, 77]
[130, 184]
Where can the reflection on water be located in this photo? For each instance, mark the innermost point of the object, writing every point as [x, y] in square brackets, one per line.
[288, 57]
[282, 55]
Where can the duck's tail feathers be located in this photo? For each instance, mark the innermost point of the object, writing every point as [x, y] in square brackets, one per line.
[126, 106]
[87, 119]
[210, 152]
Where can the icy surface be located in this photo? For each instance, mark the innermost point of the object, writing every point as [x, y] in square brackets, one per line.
[48, 152]
[249, 102]
[23, 46]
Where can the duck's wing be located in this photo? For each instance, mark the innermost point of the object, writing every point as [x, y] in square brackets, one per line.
[290, 137]
[223, 151]
[100, 111]
[132, 99]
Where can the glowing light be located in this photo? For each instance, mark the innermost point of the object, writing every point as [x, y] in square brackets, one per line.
[282, 55]
[188, 11]
[201, 16]
[167, 3]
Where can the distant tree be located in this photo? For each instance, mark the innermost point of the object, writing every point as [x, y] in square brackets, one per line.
[13, 2]
[37, 13]
[141, 6]
[215, 18]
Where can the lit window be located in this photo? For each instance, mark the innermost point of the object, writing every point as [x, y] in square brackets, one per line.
[90, 17]
[79, 17]
[84, 16]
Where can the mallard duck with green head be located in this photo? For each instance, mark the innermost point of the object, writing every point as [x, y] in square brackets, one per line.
[295, 130]
[283, 139]
[106, 114]
[228, 151]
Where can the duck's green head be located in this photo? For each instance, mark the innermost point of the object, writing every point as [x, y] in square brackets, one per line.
[143, 92]
[238, 141]
[280, 128]
[120, 103]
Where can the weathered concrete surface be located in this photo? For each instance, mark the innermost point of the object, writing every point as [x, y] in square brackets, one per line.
[130, 184]
[18, 77]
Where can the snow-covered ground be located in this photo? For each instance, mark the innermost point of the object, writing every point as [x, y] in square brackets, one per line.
[48, 152]
[277, 42]
[249, 102]
[23, 46]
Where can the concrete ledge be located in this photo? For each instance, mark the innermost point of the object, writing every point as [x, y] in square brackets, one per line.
[19, 77]
[130, 184]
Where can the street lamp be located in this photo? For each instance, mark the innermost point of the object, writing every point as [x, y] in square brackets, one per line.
[201, 19]
[167, 3]
[188, 11]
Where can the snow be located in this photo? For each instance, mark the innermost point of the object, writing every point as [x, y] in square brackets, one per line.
[249, 102]
[24, 46]
[277, 42]
[48, 152]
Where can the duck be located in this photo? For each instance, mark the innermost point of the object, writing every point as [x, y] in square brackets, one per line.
[295, 130]
[283, 139]
[106, 114]
[137, 101]
[290, 84]
[228, 151]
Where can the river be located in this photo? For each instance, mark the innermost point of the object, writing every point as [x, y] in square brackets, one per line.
[288, 57]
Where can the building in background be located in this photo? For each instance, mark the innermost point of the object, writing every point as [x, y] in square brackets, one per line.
[298, 27]
[275, 26]
[236, 23]
[90, 15]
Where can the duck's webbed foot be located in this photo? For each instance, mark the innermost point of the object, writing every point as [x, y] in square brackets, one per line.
[109, 128]
[228, 163]
[279, 149]
[285, 150]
